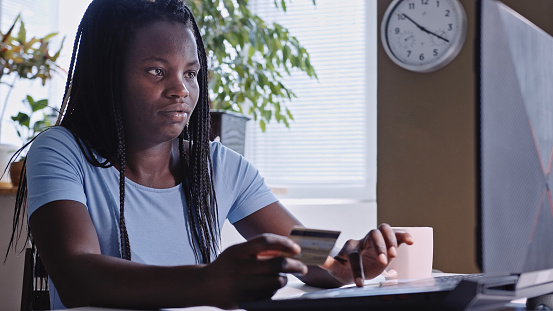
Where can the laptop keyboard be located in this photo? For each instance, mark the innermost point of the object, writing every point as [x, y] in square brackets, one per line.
[438, 283]
[455, 279]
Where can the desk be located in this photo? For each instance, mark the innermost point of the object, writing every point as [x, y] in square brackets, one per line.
[294, 288]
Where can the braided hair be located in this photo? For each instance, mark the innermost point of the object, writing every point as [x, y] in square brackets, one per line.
[92, 105]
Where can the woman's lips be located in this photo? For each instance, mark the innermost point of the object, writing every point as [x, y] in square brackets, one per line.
[175, 116]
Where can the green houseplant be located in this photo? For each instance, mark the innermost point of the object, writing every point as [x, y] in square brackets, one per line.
[38, 117]
[248, 60]
[25, 58]
[22, 57]
[26, 123]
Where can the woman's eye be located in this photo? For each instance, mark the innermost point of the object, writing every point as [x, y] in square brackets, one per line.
[156, 72]
[191, 74]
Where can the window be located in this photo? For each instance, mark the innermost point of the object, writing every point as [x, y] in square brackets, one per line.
[70, 15]
[329, 151]
[41, 18]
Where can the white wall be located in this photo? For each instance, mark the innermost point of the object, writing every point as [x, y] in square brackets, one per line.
[11, 272]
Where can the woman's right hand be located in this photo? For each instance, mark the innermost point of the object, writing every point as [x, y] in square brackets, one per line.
[252, 270]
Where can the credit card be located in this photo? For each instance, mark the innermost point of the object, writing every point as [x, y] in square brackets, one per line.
[315, 244]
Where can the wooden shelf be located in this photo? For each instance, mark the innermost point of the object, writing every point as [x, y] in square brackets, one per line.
[11, 190]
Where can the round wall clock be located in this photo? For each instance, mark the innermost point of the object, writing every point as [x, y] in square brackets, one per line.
[423, 35]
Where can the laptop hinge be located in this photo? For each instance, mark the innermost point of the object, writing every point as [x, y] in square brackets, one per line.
[482, 293]
[531, 279]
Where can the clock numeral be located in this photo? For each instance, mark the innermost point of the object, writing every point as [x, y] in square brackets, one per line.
[400, 16]
[396, 30]
[408, 53]
[411, 6]
[421, 57]
[450, 27]
[424, 2]
[437, 4]
[435, 52]
[447, 13]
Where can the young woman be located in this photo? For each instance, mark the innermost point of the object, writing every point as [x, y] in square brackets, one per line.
[126, 197]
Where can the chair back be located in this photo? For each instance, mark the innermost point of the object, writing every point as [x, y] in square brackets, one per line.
[35, 294]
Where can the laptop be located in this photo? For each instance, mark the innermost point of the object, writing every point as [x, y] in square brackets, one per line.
[514, 74]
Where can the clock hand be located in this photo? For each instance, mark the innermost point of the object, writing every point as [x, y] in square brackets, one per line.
[424, 29]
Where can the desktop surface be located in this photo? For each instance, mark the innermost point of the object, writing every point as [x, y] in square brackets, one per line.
[296, 288]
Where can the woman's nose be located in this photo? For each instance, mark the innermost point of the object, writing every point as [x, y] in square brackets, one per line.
[178, 89]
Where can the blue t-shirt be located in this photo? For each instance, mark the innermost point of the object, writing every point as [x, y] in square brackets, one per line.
[156, 219]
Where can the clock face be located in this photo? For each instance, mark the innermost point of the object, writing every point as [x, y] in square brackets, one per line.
[423, 35]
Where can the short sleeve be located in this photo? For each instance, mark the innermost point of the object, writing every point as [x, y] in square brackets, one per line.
[54, 169]
[239, 187]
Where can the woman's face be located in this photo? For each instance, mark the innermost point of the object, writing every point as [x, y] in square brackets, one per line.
[160, 86]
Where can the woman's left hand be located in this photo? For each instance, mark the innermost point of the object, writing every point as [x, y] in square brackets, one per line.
[366, 258]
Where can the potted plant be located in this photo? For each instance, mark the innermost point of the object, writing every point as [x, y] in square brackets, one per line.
[22, 57]
[248, 60]
[28, 124]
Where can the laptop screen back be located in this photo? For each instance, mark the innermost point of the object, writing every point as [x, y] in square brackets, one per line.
[515, 150]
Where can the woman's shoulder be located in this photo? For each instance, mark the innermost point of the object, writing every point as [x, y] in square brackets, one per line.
[56, 138]
[221, 153]
[55, 133]
[229, 162]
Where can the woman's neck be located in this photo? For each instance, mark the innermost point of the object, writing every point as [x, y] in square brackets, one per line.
[155, 167]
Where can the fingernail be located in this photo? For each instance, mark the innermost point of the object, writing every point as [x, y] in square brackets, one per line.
[303, 271]
[383, 259]
[359, 282]
[392, 251]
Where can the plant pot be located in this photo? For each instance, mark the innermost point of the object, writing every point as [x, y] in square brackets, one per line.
[15, 172]
[229, 128]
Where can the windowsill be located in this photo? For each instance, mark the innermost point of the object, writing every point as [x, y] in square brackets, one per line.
[7, 190]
